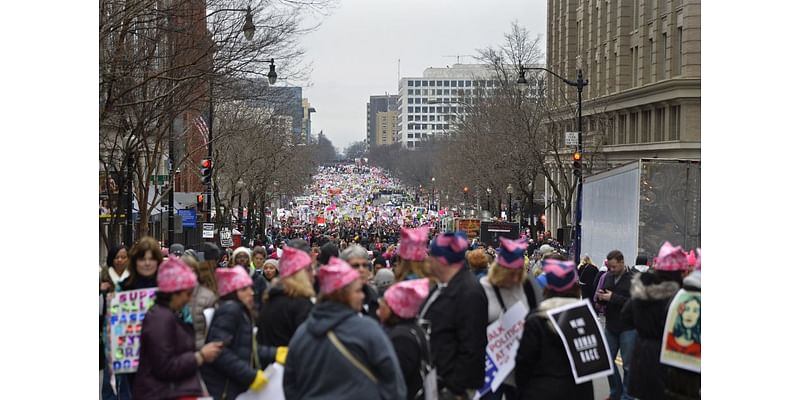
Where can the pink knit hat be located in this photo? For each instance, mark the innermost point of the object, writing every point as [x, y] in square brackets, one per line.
[697, 263]
[414, 243]
[230, 280]
[406, 297]
[174, 275]
[671, 258]
[335, 275]
[691, 258]
[293, 260]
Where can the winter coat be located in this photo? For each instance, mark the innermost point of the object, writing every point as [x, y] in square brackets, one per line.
[458, 318]
[588, 274]
[683, 384]
[280, 317]
[647, 311]
[315, 369]
[235, 368]
[621, 292]
[167, 365]
[542, 369]
[410, 350]
[370, 308]
[260, 286]
[202, 298]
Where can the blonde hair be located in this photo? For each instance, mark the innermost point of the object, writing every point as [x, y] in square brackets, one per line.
[407, 267]
[498, 274]
[297, 285]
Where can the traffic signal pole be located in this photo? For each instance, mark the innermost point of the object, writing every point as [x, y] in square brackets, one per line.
[210, 143]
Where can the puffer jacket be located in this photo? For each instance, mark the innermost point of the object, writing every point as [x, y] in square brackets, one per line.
[202, 298]
[647, 312]
[542, 369]
[315, 369]
[235, 368]
[167, 365]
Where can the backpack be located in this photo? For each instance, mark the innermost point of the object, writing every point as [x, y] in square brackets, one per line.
[421, 338]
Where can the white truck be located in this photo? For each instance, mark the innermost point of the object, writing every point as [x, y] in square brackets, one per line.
[635, 207]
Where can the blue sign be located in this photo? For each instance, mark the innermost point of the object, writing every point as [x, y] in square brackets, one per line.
[189, 217]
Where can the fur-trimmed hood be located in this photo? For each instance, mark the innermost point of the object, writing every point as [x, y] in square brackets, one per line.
[652, 291]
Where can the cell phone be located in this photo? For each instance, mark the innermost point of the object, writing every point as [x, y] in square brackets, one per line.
[227, 342]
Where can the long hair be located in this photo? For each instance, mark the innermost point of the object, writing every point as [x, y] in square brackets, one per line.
[138, 252]
[679, 330]
[298, 285]
[498, 273]
[407, 267]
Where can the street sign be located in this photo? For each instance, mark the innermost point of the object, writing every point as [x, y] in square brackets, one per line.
[208, 231]
[571, 138]
[225, 237]
[189, 217]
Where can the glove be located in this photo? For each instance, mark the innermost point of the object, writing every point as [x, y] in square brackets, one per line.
[280, 356]
[260, 382]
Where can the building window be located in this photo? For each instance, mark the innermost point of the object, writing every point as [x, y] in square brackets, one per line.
[424, 118]
[659, 125]
[410, 92]
[446, 83]
[675, 123]
[635, 14]
[410, 135]
[468, 83]
[653, 55]
[645, 137]
[410, 109]
[410, 83]
[633, 129]
[438, 92]
[438, 83]
[460, 83]
[664, 55]
[679, 53]
[417, 109]
[635, 65]
[453, 84]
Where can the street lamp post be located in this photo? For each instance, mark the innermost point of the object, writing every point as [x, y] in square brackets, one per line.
[466, 191]
[433, 192]
[509, 191]
[579, 84]
[488, 200]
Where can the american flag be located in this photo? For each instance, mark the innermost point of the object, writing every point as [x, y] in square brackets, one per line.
[200, 123]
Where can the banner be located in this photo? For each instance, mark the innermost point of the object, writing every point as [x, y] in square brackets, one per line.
[501, 351]
[583, 340]
[680, 346]
[126, 311]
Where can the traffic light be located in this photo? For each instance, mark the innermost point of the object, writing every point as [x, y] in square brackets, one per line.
[576, 164]
[200, 201]
[205, 171]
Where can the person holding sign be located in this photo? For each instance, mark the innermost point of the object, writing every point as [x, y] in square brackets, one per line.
[505, 285]
[682, 378]
[168, 362]
[651, 293]
[543, 370]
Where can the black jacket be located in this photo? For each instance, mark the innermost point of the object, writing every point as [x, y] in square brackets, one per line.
[458, 319]
[588, 275]
[260, 286]
[370, 302]
[234, 367]
[410, 351]
[621, 293]
[542, 370]
[280, 317]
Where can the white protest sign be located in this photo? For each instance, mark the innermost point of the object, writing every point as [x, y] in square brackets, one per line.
[504, 335]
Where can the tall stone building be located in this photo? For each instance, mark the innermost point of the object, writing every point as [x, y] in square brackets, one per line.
[381, 109]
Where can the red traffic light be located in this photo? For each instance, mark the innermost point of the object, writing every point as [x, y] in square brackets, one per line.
[466, 189]
[199, 199]
[576, 156]
[206, 163]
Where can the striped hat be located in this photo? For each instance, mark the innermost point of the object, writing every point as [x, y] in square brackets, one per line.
[450, 248]
[559, 275]
[512, 253]
[671, 258]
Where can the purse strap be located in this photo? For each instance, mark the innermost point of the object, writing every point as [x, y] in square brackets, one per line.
[350, 357]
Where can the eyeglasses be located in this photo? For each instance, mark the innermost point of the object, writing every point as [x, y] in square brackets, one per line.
[361, 265]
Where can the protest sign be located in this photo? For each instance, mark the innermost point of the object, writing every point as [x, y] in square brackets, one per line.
[680, 346]
[126, 311]
[503, 336]
[584, 342]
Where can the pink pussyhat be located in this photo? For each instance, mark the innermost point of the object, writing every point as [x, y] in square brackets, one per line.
[335, 275]
[691, 258]
[174, 275]
[293, 260]
[414, 243]
[405, 298]
[697, 263]
[230, 280]
[671, 258]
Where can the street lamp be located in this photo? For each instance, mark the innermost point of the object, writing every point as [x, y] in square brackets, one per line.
[510, 191]
[240, 186]
[466, 192]
[249, 28]
[433, 191]
[488, 199]
[578, 84]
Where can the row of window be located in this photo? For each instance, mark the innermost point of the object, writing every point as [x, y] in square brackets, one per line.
[433, 118]
[647, 126]
[438, 127]
[443, 109]
[439, 92]
[453, 83]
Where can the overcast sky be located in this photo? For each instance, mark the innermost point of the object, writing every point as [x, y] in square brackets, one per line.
[355, 51]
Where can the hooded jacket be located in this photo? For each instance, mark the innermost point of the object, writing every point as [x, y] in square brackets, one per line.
[542, 369]
[647, 312]
[315, 369]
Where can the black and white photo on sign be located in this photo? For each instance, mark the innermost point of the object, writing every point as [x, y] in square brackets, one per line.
[583, 340]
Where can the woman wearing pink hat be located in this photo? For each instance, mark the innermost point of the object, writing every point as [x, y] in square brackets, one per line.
[240, 365]
[413, 251]
[397, 311]
[288, 302]
[168, 362]
[337, 353]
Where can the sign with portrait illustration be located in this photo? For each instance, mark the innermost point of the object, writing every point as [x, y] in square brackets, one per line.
[680, 346]
[126, 311]
[583, 339]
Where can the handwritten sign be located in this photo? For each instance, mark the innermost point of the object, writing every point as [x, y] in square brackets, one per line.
[501, 351]
[680, 346]
[126, 311]
[584, 342]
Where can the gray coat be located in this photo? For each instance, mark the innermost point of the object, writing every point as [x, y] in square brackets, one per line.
[315, 369]
[202, 298]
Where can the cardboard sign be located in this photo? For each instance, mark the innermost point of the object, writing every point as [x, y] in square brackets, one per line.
[680, 346]
[583, 340]
[126, 311]
[501, 351]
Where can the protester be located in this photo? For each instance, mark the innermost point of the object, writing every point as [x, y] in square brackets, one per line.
[241, 257]
[204, 295]
[478, 262]
[505, 286]
[271, 270]
[587, 273]
[620, 334]
[168, 362]
[456, 312]
[356, 256]
[337, 354]
[682, 384]
[239, 366]
[383, 279]
[641, 263]
[289, 302]
[116, 269]
[651, 293]
[413, 250]
[143, 264]
[543, 370]
[398, 310]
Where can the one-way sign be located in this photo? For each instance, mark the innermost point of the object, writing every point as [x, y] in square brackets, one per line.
[208, 231]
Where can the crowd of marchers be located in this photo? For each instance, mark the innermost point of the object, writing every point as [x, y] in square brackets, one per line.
[345, 324]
